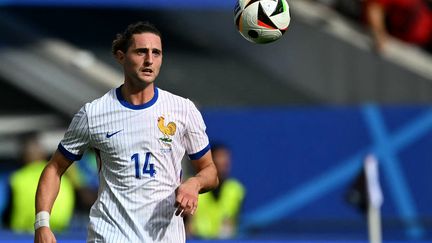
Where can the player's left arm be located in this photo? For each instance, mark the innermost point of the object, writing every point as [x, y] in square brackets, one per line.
[204, 180]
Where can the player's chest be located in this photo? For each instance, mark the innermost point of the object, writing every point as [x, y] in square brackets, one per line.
[138, 131]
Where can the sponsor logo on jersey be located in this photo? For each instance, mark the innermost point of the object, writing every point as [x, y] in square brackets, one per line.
[167, 130]
[108, 135]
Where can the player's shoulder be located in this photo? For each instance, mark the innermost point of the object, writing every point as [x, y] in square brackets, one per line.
[103, 101]
[167, 96]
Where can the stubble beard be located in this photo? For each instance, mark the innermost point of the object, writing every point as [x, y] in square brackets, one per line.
[139, 82]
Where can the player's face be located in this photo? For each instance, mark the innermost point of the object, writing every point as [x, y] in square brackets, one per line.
[143, 59]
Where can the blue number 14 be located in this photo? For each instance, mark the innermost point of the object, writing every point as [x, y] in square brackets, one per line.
[147, 169]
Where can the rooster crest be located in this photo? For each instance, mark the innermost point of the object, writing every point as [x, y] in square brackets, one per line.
[168, 130]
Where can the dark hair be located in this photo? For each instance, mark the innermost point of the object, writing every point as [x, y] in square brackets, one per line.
[123, 40]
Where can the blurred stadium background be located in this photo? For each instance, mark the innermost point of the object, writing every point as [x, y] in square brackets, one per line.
[300, 114]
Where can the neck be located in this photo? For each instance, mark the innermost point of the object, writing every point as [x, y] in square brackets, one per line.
[137, 95]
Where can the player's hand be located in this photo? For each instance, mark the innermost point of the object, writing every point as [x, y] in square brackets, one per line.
[187, 197]
[44, 235]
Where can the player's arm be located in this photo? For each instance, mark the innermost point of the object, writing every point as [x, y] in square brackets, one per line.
[47, 191]
[206, 177]
[204, 180]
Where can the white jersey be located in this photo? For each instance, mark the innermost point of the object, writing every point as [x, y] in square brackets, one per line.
[139, 150]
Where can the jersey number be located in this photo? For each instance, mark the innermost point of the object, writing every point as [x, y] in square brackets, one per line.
[148, 167]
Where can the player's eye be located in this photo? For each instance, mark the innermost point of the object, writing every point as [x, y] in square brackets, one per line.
[141, 52]
[157, 52]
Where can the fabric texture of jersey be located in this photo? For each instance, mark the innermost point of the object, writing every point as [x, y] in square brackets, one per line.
[139, 150]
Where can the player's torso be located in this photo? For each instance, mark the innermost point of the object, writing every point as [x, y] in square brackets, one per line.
[139, 153]
[139, 150]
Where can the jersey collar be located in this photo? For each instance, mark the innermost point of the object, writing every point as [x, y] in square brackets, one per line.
[126, 104]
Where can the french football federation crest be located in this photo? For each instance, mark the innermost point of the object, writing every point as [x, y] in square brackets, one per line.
[167, 131]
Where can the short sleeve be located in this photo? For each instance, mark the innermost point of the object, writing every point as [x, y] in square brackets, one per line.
[77, 137]
[197, 142]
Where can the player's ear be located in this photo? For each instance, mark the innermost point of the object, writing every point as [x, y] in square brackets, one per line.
[120, 56]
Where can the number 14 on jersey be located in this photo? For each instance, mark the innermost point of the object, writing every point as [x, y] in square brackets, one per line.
[148, 167]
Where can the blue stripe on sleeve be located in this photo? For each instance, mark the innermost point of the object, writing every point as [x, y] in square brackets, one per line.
[199, 154]
[70, 156]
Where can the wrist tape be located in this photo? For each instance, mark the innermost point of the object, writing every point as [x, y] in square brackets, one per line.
[42, 219]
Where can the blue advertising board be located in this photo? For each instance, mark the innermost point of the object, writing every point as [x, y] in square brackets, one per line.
[298, 163]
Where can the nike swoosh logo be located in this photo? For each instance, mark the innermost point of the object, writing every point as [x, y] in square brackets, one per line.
[108, 135]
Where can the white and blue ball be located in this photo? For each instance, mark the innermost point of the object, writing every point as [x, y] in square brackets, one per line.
[262, 21]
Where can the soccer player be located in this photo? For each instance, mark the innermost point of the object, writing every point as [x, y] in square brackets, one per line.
[139, 133]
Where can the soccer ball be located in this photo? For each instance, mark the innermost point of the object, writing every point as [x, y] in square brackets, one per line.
[262, 21]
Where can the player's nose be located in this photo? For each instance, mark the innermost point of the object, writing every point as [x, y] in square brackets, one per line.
[148, 60]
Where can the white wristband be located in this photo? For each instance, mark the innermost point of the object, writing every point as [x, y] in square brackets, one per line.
[42, 219]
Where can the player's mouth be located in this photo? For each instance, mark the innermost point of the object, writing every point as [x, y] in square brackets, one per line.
[147, 70]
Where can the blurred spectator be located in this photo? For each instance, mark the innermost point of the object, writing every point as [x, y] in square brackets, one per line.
[217, 212]
[20, 213]
[407, 20]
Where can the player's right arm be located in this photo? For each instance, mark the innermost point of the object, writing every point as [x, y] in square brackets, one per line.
[47, 191]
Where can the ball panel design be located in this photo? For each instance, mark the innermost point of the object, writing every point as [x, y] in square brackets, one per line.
[264, 18]
[251, 2]
[261, 21]
[280, 8]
